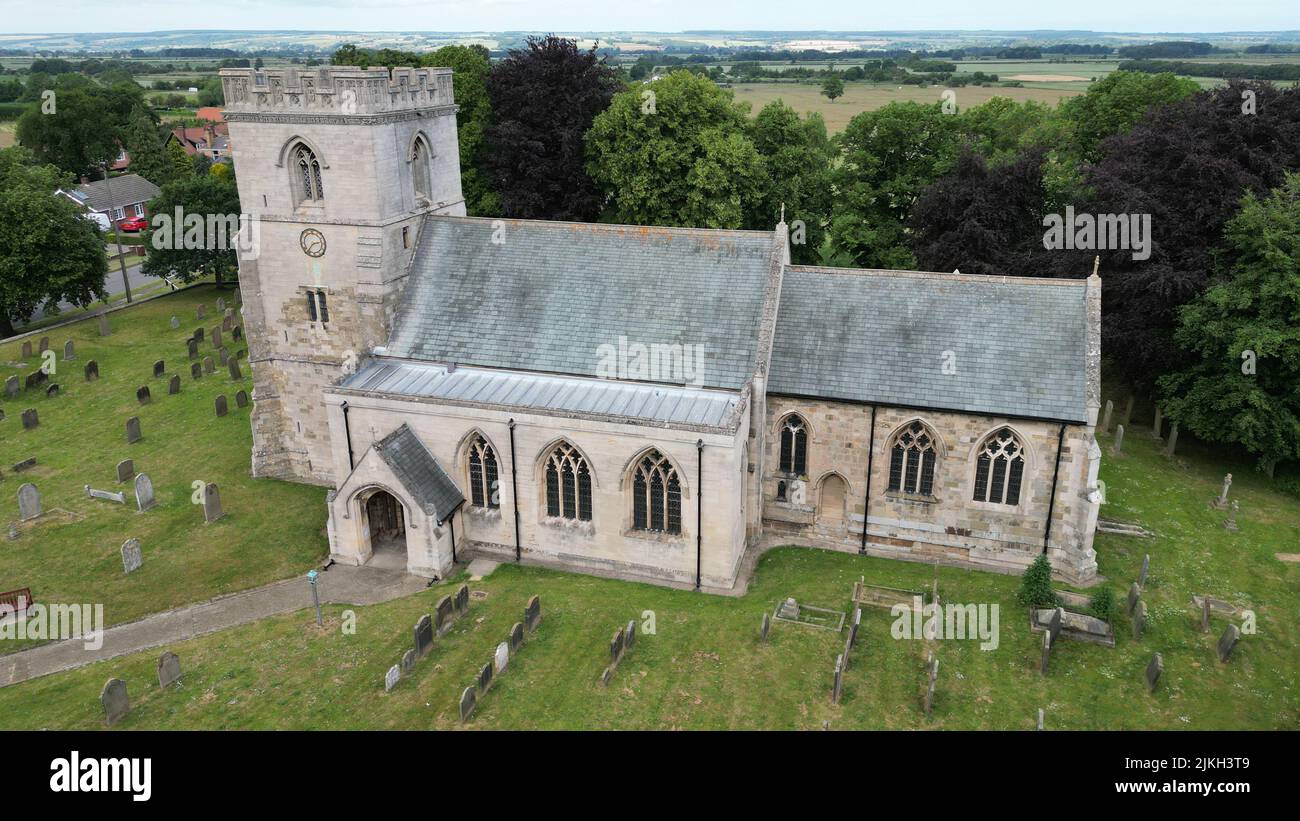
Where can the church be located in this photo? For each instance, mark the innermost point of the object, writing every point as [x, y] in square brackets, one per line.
[648, 403]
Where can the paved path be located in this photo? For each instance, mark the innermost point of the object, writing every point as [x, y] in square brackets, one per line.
[338, 585]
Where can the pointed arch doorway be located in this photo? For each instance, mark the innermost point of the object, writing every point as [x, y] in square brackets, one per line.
[386, 527]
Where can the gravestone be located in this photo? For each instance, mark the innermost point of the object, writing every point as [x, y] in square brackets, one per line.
[125, 470]
[408, 662]
[391, 678]
[1157, 427]
[196, 370]
[1222, 501]
[838, 684]
[12, 388]
[197, 336]
[1173, 441]
[485, 678]
[52, 391]
[169, 669]
[1128, 411]
[45, 344]
[847, 648]
[241, 399]
[616, 646]
[502, 657]
[27, 350]
[241, 353]
[462, 600]
[132, 558]
[516, 637]
[142, 395]
[929, 691]
[174, 385]
[227, 322]
[237, 333]
[215, 336]
[192, 348]
[1142, 575]
[37, 378]
[208, 365]
[69, 351]
[31, 419]
[25, 464]
[423, 636]
[1154, 668]
[106, 495]
[211, 503]
[1054, 626]
[92, 371]
[1118, 447]
[235, 373]
[1139, 620]
[1227, 642]
[467, 704]
[144, 498]
[201, 312]
[176, 324]
[223, 356]
[789, 609]
[444, 615]
[103, 325]
[133, 434]
[159, 368]
[1230, 523]
[1205, 614]
[1040, 718]
[222, 405]
[29, 502]
[533, 613]
[767, 625]
[629, 634]
[853, 628]
[1105, 418]
[221, 304]
[1046, 657]
[1133, 595]
[114, 700]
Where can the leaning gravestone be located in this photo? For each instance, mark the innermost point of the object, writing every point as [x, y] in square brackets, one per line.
[211, 503]
[115, 701]
[52, 391]
[533, 613]
[31, 419]
[616, 647]
[92, 371]
[629, 634]
[174, 386]
[159, 368]
[103, 325]
[1227, 642]
[133, 430]
[391, 678]
[485, 678]
[223, 407]
[1154, 668]
[1134, 594]
[838, 684]
[1222, 501]
[444, 615]
[144, 498]
[125, 470]
[408, 662]
[765, 627]
[516, 637]
[11, 387]
[169, 669]
[467, 704]
[29, 502]
[69, 351]
[208, 365]
[235, 373]
[131, 556]
[423, 635]
[1139, 620]
[502, 657]
[25, 464]
[142, 395]
[462, 600]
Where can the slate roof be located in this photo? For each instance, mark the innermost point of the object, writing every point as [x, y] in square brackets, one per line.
[548, 295]
[419, 472]
[128, 189]
[880, 337]
[634, 402]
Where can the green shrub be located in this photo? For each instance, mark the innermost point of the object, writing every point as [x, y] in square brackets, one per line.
[1102, 604]
[1036, 585]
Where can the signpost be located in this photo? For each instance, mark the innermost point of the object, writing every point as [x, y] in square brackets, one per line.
[315, 596]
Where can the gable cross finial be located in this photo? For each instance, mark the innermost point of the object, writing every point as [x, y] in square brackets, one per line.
[783, 212]
[1096, 264]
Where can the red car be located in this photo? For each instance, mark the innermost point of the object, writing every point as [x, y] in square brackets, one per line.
[132, 224]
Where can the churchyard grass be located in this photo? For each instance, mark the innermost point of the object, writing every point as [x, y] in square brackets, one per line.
[71, 554]
[704, 666]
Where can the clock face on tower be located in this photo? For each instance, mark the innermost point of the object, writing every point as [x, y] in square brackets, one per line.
[312, 242]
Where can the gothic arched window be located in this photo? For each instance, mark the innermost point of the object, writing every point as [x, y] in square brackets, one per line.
[794, 445]
[911, 461]
[656, 495]
[568, 484]
[1000, 469]
[420, 169]
[306, 175]
[483, 474]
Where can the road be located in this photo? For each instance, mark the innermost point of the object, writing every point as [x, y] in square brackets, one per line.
[112, 284]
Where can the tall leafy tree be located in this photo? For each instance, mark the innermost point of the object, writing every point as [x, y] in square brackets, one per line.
[1243, 384]
[1116, 103]
[144, 144]
[676, 152]
[797, 154]
[544, 98]
[196, 254]
[48, 252]
[469, 65]
[77, 136]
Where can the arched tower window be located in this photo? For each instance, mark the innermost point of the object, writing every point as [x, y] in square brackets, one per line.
[1000, 468]
[794, 445]
[656, 495]
[568, 484]
[306, 175]
[483, 474]
[420, 169]
[911, 460]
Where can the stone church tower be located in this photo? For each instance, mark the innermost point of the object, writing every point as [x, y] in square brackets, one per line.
[336, 168]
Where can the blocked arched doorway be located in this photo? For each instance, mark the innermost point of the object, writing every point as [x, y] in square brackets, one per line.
[385, 526]
[830, 508]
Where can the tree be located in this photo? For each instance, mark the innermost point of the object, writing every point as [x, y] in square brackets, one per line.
[797, 154]
[1243, 385]
[77, 136]
[675, 152]
[1115, 104]
[544, 98]
[196, 254]
[470, 66]
[832, 87]
[888, 158]
[1036, 584]
[48, 252]
[211, 94]
[182, 164]
[1001, 128]
[148, 158]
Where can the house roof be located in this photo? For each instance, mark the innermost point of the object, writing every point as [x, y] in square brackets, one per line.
[211, 113]
[127, 189]
[419, 472]
[631, 402]
[1018, 345]
[546, 296]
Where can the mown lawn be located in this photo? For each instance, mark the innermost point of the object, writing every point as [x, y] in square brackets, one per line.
[72, 553]
[704, 666]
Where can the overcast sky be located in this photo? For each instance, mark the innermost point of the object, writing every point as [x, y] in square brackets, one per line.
[645, 15]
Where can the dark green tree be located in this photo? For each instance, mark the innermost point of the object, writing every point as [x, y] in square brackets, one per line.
[832, 87]
[1036, 585]
[195, 255]
[797, 154]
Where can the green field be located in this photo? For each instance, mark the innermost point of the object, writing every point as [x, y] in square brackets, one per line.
[72, 553]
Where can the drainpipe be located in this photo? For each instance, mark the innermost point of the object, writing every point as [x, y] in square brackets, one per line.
[347, 432]
[699, 509]
[866, 499]
[1051, 502]
[451, 522]
[514, 489]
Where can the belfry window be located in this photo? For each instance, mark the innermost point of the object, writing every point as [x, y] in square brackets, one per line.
[483, 474]
[1000, 468]
[420, 169]
[656, 495]
[307, 178]
[317, 308]
[568, 484]
[911, 461]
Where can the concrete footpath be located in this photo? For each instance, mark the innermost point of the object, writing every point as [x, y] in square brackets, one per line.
[338, 585]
